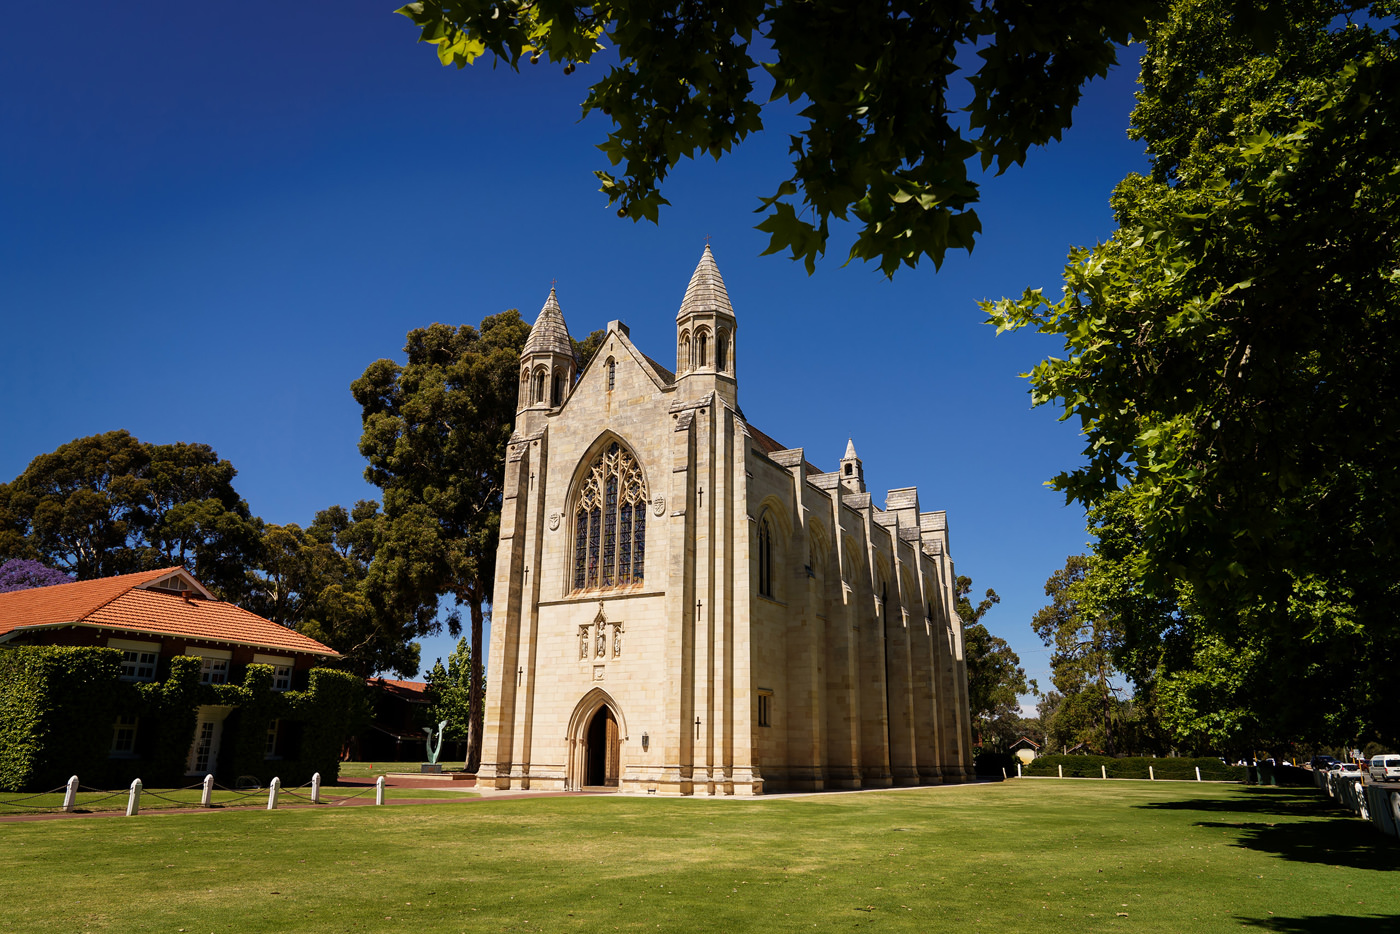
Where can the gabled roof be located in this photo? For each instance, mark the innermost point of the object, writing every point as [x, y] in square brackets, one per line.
[138, 603]
[549, 334]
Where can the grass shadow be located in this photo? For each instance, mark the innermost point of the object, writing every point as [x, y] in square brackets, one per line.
[1281, 802]
[1323, 924]
[1339, 841]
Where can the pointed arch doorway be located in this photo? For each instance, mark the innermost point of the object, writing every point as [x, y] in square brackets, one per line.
[596, 733]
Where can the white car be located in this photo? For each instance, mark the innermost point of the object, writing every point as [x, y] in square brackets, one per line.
[1385, 768]
[1349, 768]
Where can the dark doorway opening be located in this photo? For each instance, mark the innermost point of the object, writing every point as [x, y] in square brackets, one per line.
[603, 750]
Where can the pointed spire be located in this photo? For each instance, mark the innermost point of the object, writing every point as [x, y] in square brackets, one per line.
[550, 334]
[850, 450]
[706, 291]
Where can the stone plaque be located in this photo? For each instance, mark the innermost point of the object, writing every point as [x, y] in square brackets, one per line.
[658, 505]
[553, 521]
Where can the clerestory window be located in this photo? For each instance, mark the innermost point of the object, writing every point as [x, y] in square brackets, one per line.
[610, 522]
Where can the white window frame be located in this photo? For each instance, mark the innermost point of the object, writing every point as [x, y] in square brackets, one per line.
[127, 724]
[141, 658]
[281, 670]
[214, 668]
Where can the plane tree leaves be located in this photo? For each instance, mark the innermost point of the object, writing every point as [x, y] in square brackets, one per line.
[898, 102]
[1230, 352]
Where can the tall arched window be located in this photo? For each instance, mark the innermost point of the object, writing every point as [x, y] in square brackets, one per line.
[765, 557]
[558, 390]
[612, 374]
[701, 340]
[683, 358]
[610, 522]
[538, 394]
[722, 350]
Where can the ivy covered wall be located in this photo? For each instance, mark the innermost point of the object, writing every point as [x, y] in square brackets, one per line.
[59, 708]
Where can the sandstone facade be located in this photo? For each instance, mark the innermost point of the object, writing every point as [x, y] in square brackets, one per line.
[682, 606]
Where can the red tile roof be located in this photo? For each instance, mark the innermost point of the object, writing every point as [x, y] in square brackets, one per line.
[411, 691]
[118, 603]
[66, 603]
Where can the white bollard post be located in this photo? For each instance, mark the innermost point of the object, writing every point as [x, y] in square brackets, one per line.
[70, 794]
[1151, 774]
[1103, 770]
[316, 788]
[273, 787]
[133, 800]
[1198, 773]
[1018, 769]
[1003, 773]
[206, 797]
[1062, 770]
[379, 790]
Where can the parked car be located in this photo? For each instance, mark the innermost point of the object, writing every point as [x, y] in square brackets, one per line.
[1349, 768]
[1324, 763]
[1385, 768]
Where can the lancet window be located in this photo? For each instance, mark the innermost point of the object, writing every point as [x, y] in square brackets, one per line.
[765, 557]
[610, 522]
[722, 350]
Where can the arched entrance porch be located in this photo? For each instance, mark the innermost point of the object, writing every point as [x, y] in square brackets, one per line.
[596, 733]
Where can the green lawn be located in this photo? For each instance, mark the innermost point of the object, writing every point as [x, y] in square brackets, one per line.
[372, 769]
[161, 799]
[1029, 855]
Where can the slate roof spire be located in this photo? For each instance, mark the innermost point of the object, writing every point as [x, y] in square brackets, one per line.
[706, 292]
[550, 334]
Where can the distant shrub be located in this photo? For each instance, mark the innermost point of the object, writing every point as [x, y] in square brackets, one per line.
[1212, 769]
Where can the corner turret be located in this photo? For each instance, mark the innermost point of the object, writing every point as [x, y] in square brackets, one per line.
[547, 367]
[705, 327]
[852, 473]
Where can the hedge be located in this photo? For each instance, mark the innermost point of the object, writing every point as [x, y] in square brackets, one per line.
[1212, 769]
[58, 705]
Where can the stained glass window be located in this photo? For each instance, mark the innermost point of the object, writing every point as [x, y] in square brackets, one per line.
[610, 522]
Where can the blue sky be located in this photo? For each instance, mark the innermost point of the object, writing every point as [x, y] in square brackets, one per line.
[215, 217]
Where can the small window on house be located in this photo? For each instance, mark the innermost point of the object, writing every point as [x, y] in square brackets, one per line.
[612, 374]
[124, 735]
[282, 678]
[214, 671]
[765, 708]
[139, 665]
[270, 748]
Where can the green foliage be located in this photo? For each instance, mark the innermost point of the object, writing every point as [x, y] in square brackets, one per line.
[435, 435]
[58, 706]
[55, 713]
[315, 579]
[883, 142]
[109, 504]
[995, 678]
[1167, 767]
[450, 691]
[1230, 356]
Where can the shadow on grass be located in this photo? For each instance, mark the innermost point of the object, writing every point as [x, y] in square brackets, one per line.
[1322, 924]
[1283, 802]
[1320, 832]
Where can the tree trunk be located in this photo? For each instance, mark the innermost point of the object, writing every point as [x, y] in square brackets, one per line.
[476, 696]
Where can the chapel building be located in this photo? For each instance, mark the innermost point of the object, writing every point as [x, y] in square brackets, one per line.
[684, 606]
